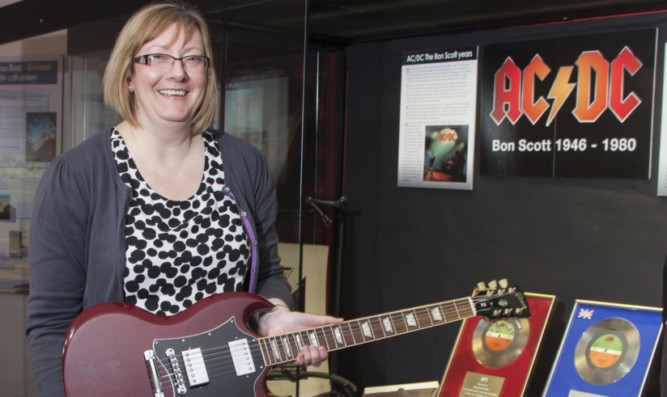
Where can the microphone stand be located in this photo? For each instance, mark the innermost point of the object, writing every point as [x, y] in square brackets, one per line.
[339, 205]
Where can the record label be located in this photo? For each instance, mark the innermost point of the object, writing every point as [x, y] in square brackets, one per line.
[499, 335]
[498, 343]
[606, 351]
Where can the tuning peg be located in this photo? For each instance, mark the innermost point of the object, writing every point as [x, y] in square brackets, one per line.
[493, 284]
[481, 286]
[503, 283]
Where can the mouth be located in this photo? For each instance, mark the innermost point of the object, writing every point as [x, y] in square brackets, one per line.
[172, 92]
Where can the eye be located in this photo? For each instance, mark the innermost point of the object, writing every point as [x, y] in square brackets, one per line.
[194, 60]
[158, 58]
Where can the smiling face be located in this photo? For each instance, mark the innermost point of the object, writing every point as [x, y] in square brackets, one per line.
[166, 98]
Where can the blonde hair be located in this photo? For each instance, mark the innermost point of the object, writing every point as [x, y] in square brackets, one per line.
[145, 25]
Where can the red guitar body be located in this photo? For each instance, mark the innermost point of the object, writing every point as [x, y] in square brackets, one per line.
[105, 350]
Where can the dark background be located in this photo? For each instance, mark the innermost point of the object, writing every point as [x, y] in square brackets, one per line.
[576, 238]
[597, 239]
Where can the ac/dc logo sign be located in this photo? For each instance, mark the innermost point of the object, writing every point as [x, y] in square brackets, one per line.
[600, 85]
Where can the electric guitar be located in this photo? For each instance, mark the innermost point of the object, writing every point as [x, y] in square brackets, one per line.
[115, 349]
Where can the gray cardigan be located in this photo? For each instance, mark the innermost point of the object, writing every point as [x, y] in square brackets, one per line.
[77, 241]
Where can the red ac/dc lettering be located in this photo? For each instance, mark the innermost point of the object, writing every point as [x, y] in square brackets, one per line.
[600, 86]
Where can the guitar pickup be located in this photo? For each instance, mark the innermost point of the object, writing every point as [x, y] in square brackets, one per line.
[242, 357]
[195, 368]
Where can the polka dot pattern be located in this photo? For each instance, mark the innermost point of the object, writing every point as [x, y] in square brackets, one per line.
[179, 252]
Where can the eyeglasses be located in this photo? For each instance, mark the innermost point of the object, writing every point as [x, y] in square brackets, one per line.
[164, 62]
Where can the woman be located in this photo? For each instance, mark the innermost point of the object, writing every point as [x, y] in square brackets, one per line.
[158, 211]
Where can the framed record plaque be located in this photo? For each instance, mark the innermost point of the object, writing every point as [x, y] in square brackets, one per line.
[495, 358]
[606, 351]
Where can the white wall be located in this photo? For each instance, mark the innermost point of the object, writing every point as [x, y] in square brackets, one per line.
[48, 44]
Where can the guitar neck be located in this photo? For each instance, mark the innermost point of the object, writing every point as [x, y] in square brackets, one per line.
[283, 348]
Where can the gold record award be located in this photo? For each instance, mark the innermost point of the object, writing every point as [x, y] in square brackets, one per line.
[606, 351]
[498, 343]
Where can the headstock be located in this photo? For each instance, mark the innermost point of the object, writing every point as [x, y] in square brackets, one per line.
[499, 301]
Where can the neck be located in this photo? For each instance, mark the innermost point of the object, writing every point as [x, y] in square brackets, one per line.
[162, 146]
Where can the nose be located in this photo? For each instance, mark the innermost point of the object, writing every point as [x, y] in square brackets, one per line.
[177, 69]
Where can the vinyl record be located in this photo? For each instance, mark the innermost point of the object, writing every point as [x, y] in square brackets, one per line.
[498, 343]
[606, 351]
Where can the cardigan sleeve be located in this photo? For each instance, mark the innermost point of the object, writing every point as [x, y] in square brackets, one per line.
[57, 274]
[271, 278]
[250, 178]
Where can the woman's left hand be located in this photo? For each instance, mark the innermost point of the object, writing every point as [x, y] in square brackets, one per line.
[281, 320]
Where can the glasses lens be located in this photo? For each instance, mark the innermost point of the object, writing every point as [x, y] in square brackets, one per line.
[160, 60]
[194, 63]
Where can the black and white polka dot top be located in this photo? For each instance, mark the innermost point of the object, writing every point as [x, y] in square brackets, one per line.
[179, 252]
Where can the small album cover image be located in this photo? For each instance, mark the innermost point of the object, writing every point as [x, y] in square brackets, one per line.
[40, 135]
[6, 208]
[445, 153]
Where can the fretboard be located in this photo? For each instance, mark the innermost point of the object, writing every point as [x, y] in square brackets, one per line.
[284, 348]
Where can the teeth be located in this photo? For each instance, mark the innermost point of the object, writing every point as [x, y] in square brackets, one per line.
[172, 92]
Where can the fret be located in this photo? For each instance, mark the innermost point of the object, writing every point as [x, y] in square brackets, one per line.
[436, 314]
[293, 345]
[264, 350]
[312, 339]
[411, 319]
[322, 337]
[286, 346]
[338, 335]
[328, 332]
[355, 330]
[350, 333]
[388, 325]
[450, 309]
[376, 326]
[366, 330]
[299, 341]
[421, 318]
[275, 351]
[401, 323]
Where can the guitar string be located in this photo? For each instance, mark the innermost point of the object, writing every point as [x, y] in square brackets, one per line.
[217, 360]
[212, 357]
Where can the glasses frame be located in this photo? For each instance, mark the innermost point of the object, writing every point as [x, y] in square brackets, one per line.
[143, 59]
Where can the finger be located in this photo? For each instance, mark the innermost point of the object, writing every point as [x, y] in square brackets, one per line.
[314, 353]
[299, 360]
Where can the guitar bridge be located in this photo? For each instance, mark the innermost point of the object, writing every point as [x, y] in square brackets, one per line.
[153, 375]
[176, 370]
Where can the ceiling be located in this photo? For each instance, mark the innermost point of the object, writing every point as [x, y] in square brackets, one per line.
[338, 21]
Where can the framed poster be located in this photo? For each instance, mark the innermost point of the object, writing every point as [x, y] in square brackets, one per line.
[606, 351]
[496, 358]
[570, 106]
[437, 119]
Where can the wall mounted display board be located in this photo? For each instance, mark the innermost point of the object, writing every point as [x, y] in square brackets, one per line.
[496, 358]
[572, 106]
[30, 124]
[437, 119]
[606, 351]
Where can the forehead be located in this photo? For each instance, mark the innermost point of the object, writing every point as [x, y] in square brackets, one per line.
[176, 34]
